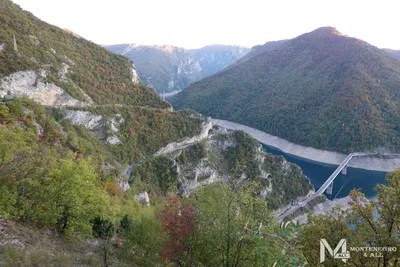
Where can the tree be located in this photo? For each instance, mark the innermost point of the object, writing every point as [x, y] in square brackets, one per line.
[17, 150]
[178, 222]
[104, 229]
[237, 229]
[367, 223]
[4, 113]
[333, 228]
[377, 223]
[68, 197]
[143, 239]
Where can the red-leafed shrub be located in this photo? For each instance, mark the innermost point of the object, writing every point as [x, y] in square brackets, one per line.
[178, 223]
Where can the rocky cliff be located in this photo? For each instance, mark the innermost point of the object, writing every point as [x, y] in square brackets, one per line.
[34, 85]
[223, 155]
[169, 68]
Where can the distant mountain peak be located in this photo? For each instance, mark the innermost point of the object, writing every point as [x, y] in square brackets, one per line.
[169, 49]
[321, 89]
[134, 45]
[221, 46]
[326, 31]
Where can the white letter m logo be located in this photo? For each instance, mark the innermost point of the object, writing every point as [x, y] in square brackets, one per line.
[344, 255]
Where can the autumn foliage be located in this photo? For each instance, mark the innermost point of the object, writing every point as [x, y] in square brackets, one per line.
[178, 223]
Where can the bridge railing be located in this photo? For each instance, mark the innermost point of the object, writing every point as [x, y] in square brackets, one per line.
[325, 185]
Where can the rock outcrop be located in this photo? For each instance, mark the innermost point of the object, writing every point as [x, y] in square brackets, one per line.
[169, 68]
[104, 128]
[206, 127]
[143, 198]
[113, 140]
[33, 84]
[89, 120]
[221, 155]
[135, 76]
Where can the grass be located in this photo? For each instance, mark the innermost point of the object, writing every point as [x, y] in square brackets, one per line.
[25, 245]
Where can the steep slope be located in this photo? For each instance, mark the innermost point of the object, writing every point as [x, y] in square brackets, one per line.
[321, 89]
[170, 68]
[64, 197]
[90, 103]
[225, 156]
[51, 55]
[165, 68]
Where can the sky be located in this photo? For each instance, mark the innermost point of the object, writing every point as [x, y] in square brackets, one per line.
[194, 24]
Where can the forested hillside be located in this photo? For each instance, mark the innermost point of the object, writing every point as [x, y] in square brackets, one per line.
[104, 76]
[56, 179]
[80, 184]
[97, 170]
[321, 89]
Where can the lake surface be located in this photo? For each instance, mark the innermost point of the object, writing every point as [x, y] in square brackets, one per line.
[343, 184]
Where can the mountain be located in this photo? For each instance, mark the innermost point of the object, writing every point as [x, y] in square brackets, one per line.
[169, 68]
[214, 58]
[88, 150]
[259, 49]
[321, 89]
[97, 170]
[69, 93]
[83, 69]
[393, 53]
[87, 84]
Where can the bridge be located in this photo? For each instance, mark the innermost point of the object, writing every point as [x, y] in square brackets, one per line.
[327, 186]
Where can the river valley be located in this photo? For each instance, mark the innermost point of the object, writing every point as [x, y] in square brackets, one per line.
[318, 165]
[343, 184]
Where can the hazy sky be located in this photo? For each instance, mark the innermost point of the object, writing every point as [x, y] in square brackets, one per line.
[193, 24]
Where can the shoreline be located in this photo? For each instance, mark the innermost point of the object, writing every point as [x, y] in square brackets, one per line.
[384, 163]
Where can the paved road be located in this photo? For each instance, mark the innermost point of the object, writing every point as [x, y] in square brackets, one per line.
[322, 189]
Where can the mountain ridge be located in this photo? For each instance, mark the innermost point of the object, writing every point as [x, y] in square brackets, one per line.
[319, 89]
[170, 68]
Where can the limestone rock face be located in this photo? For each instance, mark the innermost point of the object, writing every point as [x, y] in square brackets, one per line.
[220, 155]
[63, 72]
[113, 140]
[135, 76]
[102, 127]
[206, 127]
[88, 120]
[33, 85]
[169, 68]
[143, 198]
